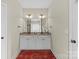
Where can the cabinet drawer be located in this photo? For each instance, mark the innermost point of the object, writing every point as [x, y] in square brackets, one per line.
[44, 37]
[26, 37]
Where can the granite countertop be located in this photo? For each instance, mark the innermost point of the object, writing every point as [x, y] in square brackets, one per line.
[35, 33]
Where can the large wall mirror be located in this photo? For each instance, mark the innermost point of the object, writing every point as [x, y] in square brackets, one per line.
[35, 25]
[36, 20]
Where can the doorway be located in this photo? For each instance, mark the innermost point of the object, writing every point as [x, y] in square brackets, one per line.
[57, 24]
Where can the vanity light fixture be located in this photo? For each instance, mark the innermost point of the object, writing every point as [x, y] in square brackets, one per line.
[42, 16]
[28, 16]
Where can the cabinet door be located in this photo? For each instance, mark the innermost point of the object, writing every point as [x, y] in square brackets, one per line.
[25, 42]
[32, 43]
[43, 42]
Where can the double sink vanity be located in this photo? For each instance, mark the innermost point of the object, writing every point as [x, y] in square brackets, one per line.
[35, 41]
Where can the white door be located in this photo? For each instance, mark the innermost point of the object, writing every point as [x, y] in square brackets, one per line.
[73, 19]
[3, 31]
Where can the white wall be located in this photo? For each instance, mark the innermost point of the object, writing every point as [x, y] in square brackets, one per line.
[58, 23]
[21, 25]
[14, 12]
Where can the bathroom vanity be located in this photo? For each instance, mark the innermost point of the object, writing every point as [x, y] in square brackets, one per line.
[34, 41]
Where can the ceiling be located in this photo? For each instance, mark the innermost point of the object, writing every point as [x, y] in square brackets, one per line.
[35, 3]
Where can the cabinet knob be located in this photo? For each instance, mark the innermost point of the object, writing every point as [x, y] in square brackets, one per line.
[43, 39]
[27, 39]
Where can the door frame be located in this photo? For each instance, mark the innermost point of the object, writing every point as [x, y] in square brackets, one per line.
[72, 26]
[3, 3]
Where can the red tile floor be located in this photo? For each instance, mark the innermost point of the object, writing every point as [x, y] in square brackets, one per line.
[36, 54]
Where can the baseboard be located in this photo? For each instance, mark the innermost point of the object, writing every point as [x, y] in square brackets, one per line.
[14, 57]
[60, 55]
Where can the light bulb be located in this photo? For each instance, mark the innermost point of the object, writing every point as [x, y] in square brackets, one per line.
[42, 16]
[28, 16]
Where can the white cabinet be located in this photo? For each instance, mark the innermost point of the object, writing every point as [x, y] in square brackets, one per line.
[35, 42]
[27, 42]
[44, 42]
